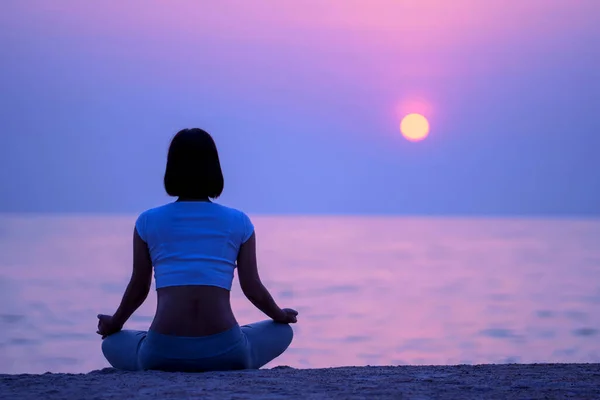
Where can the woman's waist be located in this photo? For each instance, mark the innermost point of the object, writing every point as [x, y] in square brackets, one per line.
[193, 311]
[192, 326]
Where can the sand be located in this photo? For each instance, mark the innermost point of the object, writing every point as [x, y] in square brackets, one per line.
[515, 381]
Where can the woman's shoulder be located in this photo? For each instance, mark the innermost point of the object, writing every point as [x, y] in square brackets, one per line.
[240, 219]
[165, 211]
[231, 211]
[141, 222]
[155, 210]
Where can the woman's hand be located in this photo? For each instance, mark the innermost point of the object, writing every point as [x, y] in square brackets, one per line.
[288, 316]
[107, 326]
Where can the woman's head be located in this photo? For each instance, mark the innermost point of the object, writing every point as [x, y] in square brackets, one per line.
[193, 168]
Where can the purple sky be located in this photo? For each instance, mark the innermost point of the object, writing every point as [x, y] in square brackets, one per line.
[304, 100]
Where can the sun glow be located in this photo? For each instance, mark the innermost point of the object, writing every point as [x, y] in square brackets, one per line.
[414, 127]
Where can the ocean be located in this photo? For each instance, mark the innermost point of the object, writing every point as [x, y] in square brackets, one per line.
[369, 290]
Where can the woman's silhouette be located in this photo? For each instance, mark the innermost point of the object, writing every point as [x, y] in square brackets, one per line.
[194, 246]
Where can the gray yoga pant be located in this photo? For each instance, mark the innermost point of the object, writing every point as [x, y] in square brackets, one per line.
[246, 347]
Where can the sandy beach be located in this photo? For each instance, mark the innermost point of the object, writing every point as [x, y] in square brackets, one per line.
[511, 381]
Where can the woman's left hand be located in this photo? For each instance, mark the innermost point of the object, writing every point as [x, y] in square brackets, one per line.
[107, 326]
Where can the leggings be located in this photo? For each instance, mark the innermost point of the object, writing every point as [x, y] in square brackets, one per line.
[246, 347]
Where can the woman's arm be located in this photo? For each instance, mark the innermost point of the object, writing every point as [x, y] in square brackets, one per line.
[251, 284]
[139, 284]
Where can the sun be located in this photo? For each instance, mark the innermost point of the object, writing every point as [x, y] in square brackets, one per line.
[414, 127]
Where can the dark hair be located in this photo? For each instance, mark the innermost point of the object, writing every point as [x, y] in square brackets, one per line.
[193, 168]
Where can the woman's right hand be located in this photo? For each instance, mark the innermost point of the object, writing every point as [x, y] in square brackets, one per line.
[288, 316]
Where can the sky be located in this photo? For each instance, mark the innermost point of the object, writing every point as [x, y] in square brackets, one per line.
[304, 100]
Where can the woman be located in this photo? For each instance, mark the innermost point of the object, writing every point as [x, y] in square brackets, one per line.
[194, 246]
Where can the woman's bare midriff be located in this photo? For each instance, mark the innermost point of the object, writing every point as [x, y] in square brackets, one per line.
[193, 311]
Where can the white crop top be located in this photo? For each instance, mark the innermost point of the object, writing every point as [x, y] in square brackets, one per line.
[194, 242]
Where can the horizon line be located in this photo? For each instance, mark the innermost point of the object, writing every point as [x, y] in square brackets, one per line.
[531, 216]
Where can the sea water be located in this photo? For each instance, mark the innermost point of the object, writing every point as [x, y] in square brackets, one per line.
[369, 290]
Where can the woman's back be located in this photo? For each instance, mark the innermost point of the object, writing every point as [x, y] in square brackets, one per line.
[192, 311]
[193, 247]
